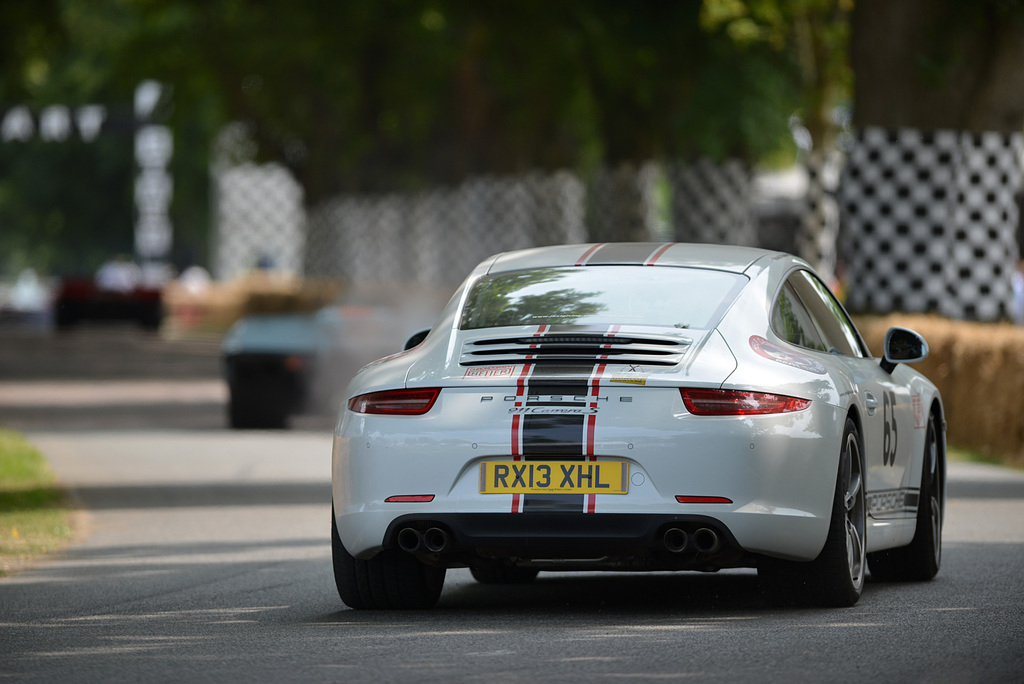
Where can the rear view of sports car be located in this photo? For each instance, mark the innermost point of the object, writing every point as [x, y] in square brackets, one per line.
[639, 407]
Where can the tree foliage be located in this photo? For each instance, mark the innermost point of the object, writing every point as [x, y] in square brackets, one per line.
[956, 65]
[814, 34]
[383, 95]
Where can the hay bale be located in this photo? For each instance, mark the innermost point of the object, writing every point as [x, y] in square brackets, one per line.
[208, 311]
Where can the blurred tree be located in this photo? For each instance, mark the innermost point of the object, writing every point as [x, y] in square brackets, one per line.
[934, 64]
[65, 207]
[382, 95]
[65, 204]
[29, 30]
[814, 34]
[385, 94]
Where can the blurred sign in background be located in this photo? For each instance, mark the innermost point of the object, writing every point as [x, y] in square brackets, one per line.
[405, 141]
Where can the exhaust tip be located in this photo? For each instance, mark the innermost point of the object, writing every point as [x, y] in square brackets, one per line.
[706, 540]
[410, 540]
[436, 540]
[675, 540]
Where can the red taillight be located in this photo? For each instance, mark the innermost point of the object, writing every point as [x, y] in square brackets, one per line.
[395, 402]
[712, 402]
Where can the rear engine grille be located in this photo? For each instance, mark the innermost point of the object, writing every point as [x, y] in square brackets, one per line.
[576, 350]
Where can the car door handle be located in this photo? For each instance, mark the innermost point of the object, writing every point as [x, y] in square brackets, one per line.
[870, 403]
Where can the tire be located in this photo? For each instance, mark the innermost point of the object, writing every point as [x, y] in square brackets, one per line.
[504, 575]
[921, 559]
[66, 315]
[150, 316]
[390, 580]
[836, 577]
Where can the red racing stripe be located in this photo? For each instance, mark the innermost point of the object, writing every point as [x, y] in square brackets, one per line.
[657, 254]
[517, 420]
[589, 253]
[588, 442]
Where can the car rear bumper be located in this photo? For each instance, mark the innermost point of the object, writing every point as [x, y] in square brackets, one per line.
[767, 482]
[621, 541]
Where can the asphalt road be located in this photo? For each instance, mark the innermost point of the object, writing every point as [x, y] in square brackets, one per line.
[206, 557]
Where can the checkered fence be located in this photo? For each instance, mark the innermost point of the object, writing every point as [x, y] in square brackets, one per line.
[436, 237]
[817, 237]
[260, 220]
[711, 202]
[930, 222]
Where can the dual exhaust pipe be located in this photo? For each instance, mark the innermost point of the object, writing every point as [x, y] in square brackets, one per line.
[675, 540]
[434, 540]
[704, 540]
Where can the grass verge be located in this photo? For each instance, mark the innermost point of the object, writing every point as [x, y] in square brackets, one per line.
[35, 514]
[969, 456]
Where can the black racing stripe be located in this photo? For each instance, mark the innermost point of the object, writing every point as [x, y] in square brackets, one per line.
[550, 434]
[570, 503]
[624, 253]
[557, 394]
[554, 434]
[565, 379]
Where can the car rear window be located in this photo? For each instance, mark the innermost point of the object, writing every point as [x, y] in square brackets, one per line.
[602, 295]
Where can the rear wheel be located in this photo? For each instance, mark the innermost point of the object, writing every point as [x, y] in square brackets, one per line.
[920, 560]
[390, 580]
[836, 577]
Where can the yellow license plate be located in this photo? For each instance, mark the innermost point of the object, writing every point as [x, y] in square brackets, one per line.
[554, 477]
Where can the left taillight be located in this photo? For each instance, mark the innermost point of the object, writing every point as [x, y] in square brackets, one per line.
[413, 402]
[715, 402]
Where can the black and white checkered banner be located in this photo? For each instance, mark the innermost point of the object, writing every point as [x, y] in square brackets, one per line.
[929, 222]
[711, 202]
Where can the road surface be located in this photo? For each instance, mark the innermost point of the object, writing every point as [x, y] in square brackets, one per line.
[207, 557]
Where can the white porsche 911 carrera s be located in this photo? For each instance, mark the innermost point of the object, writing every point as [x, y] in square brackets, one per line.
[644, 407]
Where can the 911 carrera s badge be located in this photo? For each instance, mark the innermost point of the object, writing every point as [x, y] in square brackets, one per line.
[776, 353]
[555, 404]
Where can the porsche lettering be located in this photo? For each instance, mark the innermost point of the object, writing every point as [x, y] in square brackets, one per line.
[555, 398]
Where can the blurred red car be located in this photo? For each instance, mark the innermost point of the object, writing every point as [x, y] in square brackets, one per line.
[116, 293]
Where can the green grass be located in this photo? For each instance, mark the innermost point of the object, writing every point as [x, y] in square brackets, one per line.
[968, 456]
[34, 510]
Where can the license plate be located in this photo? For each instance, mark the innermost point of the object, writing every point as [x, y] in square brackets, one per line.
[554, 477]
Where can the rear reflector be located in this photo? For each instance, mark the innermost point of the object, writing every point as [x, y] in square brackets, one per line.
[703, 499]
[410, 498]
[712, 402]
[395, 402]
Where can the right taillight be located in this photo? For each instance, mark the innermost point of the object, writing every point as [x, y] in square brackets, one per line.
[717, 402]
[404, 402]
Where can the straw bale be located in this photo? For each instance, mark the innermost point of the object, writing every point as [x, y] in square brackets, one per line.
[210, 310]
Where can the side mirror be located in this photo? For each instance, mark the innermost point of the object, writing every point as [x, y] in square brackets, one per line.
[416, 339]
[902, 346]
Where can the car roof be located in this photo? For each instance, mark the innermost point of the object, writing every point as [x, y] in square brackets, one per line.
[731, 258]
